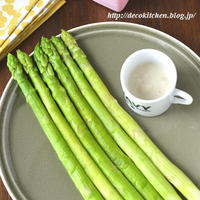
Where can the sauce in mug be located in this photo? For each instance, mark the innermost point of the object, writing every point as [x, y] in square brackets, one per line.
[148, 81]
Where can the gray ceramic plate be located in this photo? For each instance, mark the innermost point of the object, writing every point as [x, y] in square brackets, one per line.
[30, 168]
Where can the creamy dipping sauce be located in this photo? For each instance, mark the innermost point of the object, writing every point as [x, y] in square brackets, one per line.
[148, 81]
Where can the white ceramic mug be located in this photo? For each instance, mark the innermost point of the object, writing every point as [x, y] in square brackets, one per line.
[159, 105]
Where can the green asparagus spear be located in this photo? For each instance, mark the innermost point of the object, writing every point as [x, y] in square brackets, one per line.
[147, 191]
[144, 163]
[73, 117]
[74, 169]
[94, 123]
[170, 171]
[90, 167]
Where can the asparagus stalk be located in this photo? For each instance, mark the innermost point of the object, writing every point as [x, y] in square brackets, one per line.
[121, 160]
[170, 171]
[147, 167]
[81, 154]
[113, 127]
[74, 169]
[73, 117]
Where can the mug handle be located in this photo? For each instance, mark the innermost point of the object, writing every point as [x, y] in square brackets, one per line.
[181, 97]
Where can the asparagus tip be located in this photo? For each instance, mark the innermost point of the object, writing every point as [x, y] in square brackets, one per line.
[25, 60]
[41, 59]
[20, 54]
[18, 50]
[14, 65]
[68, 38]
[37, 52]
[44, 39]
[62, 30]
[9, 55]
[53, 37]
[37, 46]
[9, 59]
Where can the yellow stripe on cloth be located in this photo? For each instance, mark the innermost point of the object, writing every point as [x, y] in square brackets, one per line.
[28, 28]
[37, 9]
[12, 13]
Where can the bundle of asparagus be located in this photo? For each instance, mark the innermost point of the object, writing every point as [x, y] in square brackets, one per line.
[84, 125]
[76, 172]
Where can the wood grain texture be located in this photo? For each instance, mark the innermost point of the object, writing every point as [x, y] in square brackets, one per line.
[79, 12]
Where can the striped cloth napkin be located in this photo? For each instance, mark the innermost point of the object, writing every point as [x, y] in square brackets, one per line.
[19, 18]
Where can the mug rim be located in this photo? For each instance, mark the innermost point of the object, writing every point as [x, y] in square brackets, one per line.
[130, 95]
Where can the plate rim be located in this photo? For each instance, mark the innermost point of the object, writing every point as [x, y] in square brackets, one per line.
[97, 24]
